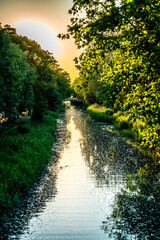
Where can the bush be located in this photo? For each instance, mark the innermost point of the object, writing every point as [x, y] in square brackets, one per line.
[53, 114]
[54, 98]
[23, 129]
[101, 113]
[127, 133]
[116, 115]
[122, 122]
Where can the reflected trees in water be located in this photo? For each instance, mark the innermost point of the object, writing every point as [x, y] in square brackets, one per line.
[113, 162]
[136, 212]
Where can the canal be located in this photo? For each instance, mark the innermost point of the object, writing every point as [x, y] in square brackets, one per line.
[98, 187]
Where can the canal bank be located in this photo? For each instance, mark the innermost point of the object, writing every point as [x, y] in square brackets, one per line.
[129, 125]
[78, 198]
[24, 154]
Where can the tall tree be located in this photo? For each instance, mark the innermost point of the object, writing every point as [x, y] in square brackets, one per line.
[123, 43]
[51, 81]
[16, 78]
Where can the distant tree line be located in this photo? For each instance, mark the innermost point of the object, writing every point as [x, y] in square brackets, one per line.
[120, 64]
[30, 77]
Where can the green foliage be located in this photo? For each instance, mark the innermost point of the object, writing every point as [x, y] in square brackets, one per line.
[121, 121]
[31, 78]
[24, 152]
[46, 97]
[53, 114]
[127, 133]
[54, 98]
[120, 61]
[40, 101]
[87, 84]
[17, 79]
[100, 113]
[23, 129]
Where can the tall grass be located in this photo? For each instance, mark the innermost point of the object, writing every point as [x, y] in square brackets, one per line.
[121, 120]
[100, 113]
[131, 128]
[24, 152]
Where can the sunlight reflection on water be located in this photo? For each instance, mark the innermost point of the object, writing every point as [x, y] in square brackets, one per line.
[79, 207]
[74, 199]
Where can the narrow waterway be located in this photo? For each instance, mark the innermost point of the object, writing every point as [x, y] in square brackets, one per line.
[90, 166]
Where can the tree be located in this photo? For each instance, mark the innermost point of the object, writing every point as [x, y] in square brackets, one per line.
[51, 81]
[123, 43]
[16, 79]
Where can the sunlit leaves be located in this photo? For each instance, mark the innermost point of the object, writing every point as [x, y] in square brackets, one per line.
[121, 53]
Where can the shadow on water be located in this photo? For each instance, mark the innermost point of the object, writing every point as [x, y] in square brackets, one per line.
[136, 210]
[112, 177]
[12, 225]
[105, 152]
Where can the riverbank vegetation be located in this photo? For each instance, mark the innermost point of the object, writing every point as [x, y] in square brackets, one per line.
[121, 120]
[119, 67]
[24, 152]
[31, 83]
[30, 79]
[101, 113]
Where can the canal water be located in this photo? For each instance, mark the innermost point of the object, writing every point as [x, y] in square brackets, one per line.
[95, 188]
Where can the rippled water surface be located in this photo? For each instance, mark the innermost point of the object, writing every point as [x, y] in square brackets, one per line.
[89, 168]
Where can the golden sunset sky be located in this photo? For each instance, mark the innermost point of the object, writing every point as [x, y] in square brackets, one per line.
[42, 21]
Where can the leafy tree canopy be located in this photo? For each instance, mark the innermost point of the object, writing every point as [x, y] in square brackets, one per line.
[120, 60]
[35, 71]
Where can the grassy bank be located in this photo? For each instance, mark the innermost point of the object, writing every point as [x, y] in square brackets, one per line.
[132, 127]
[100, 113]
[24, 153]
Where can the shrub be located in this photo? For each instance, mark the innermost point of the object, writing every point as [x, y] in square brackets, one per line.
[122, 122]
[53, 114]
[23, 129]
[100, 113]
[128, 133]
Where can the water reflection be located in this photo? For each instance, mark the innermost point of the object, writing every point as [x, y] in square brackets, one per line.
[43, 191]
[79, 191]
[136, 211]
[13, 225]
[79, 206]
[107, 155]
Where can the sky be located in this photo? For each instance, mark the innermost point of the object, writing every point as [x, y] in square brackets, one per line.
[43, 20]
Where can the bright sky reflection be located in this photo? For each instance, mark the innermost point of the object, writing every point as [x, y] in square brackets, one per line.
[77, 210]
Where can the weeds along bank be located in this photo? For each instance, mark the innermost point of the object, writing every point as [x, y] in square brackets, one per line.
[24, 153]
[135, 128]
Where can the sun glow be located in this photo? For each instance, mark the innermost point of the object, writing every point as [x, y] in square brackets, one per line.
[40, 32]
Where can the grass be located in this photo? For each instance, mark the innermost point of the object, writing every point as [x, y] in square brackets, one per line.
[121, 120]
[24, 152]
[100, 113]
[130, 126]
